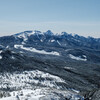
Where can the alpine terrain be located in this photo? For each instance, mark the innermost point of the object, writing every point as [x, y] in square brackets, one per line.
[37, 65]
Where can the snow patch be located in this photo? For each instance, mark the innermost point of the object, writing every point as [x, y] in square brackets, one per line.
[68, 68]
[0, 57]
[52, 40]
[0, 51]
[58, 42]
[75, 90]
[12, 57]
[24, 35]
[35, 50]
[41, 40]
[23, 43]
[7, 47]
[78, 58]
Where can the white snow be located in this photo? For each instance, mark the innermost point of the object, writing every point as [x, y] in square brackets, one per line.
[84, 56]
[27, 90]
[27, 94]
[52, 40]
[26, 78]
[35, 50]
[0, 51]
[68, 68]
[75, 90]
[58, 42]
[40, 94]
[41, 40]
[68, 50]
[23, 42]
[78, 58]
[16, 46]
[7, 46]
[24, 35]
[0, 57]
[12, 57]
[8, 98]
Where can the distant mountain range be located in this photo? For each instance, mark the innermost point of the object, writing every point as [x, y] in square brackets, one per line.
[75, 46]
[44, 59]
[49, 38]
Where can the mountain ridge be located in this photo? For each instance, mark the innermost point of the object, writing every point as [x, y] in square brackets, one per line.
[64, 38]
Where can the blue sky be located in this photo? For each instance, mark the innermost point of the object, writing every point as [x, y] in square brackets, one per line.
[73, 16]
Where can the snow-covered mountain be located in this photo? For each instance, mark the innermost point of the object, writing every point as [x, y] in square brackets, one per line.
[55, 65]
[73, 46]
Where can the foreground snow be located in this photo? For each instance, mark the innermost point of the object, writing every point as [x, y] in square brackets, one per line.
[28, 78]
[34, 85]
[35, 50]
[24, 95]
[42, 94]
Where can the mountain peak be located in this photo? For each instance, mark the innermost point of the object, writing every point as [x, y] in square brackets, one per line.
[37, 32]
[49, 32]
[64, 33]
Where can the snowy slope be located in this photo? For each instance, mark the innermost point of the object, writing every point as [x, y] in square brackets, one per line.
[35, 85]
[42, 94]
[27, 78]
[35, 50]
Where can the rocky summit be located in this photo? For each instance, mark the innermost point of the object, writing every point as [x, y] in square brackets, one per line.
[37, 65]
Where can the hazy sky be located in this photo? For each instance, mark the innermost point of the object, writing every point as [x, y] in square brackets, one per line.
[73, 16]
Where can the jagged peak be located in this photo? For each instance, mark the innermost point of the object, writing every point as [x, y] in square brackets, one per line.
[64, 33]
[49, 32]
